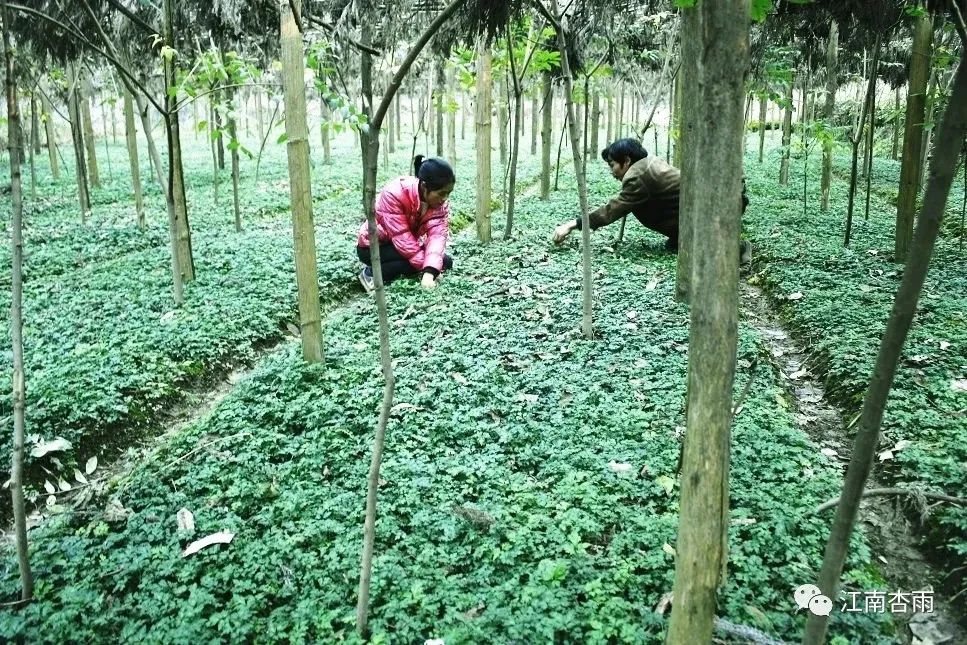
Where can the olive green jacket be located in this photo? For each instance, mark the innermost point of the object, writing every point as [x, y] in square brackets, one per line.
[649, 190]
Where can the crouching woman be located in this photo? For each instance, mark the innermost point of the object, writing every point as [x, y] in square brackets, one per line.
[411, 224]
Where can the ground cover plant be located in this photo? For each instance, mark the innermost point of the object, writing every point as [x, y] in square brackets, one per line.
[846, 298]
[529, 490]
[107, 350]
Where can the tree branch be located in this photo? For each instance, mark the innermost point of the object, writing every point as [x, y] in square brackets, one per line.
[132, 17]
[959, 22]
[332, 29]
[894, 491]
[84, 41]
[377, 119]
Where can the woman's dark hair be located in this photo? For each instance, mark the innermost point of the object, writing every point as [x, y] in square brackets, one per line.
[624, 150]
[436, 173]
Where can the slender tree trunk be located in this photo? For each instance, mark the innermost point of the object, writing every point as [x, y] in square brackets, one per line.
[672, 96]
[953, 129]
[831, 55]
[763, 107]
[233, 149]
[619, 122]
[535, 124]
[896, 125]
[868, 162]
[51, 137]
[451, 115]
[717, 60]
[560, 146]
[214, 149]
[609, 130]
[913, 136]
[176, 178]
[84, 100]
[464, 115]
[484, 141]
[502, 120]
[371, 150]
[216, 99]
[34, 124]
[441, 90]
[547, 121]
[514, 154]
[595, 124]
[930, 107]
[77, 132]
[300, 184]
[787, 133]
[858, 136]
[131, 138]
[587, 322]
[107, 150]
[399, 120]
[16, 312]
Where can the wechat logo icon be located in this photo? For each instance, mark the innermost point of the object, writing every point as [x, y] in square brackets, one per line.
[810, 597]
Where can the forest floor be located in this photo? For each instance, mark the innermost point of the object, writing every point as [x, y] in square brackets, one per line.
[529, 487]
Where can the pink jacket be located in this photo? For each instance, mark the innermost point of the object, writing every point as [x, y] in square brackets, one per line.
[422, 241]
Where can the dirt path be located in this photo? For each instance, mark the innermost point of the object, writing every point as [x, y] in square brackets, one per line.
[886, 523]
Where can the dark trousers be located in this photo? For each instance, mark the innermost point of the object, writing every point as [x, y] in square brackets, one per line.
[394, 265]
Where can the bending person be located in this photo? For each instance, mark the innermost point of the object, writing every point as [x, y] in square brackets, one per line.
[649, 190]
[411, 223]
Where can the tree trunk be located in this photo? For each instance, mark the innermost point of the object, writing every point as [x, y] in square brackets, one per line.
[678, 119]
[131, 138]
[896, 125]
[77, 133]
[868, 162]
[34, 124]
[763, 107]
[107, 150]
[484, 89]
[913, 137]
[324, 128]
[16, 312]
[451, 115]
[595, 124]
[717, 56]
[399, 121]
[464, 112]
[858, 136]
[84, 100]
[51, 137]
[502, 120]
[300, 184]
[216, 99]
[787, 133]
[535, 121]
[441, 90]
[587, 322]
[514, 154]
[213, 146]
[930, 107]
[953, 129]
[260, 113]
[547, 111]
[831, 54]
[619, 122]
[609, 129]
[233, 148]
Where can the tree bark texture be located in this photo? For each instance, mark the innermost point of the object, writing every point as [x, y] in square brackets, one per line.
[51, 137]
[763, 107]
[832, 47]
[441, 91]
[787, 133]
[547, 114]
[77, 134]
[913, 137]
[16, 311]
[451, 115]
[176, 177]
[85, 91]
[716, 91]
[300, 185]
[131, 138]
[484, 91]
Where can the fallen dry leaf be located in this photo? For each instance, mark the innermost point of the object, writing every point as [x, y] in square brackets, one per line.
[460, 378]
[619, 467]
[186, 521]
[959, 385]
[222, 537]
[795, 296]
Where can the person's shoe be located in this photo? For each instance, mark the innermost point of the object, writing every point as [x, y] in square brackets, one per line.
[745, 252]
[366, 279]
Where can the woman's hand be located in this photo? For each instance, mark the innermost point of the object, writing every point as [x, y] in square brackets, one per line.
[428, 282]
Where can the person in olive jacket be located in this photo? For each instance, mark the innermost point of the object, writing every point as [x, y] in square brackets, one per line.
[649, 191]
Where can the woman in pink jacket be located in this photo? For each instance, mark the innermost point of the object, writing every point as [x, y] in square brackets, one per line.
[411, 223]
